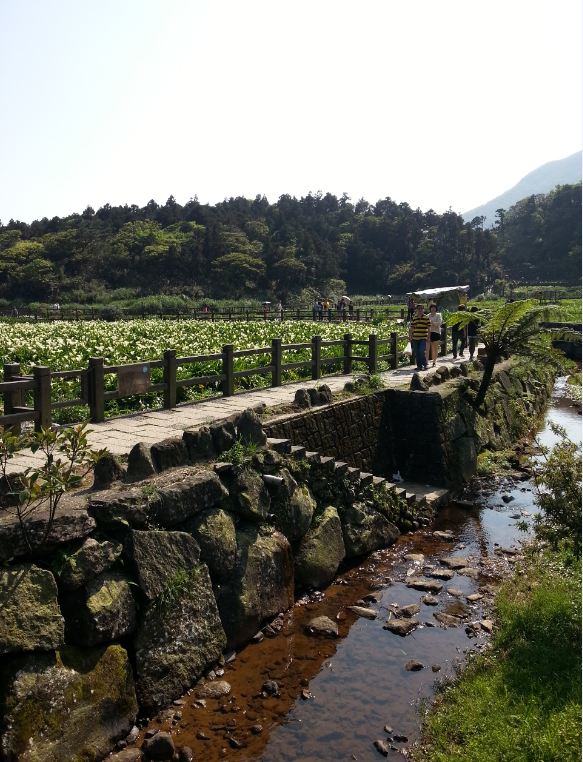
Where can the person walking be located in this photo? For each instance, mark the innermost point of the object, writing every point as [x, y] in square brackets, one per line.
[473, 327]
[459, 334]
[435, 322]
[418, 336]
[410, 308]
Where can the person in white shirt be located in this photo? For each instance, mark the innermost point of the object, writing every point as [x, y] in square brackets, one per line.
[435, 321]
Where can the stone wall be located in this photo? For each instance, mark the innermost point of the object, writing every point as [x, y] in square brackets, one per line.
[432, 436]
[349, 430]
[143, 585]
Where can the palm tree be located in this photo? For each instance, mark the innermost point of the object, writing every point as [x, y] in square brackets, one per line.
[511, 329]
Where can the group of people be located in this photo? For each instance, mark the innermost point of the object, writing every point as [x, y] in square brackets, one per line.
[425, 334]
[324, 306]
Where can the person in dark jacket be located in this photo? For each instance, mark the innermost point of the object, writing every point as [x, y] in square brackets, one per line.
[459, 334]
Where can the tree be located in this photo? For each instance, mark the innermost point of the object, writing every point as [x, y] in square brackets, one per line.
[512, 329]
[238, 272]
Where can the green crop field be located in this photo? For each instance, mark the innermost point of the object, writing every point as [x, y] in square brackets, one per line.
[69, 345]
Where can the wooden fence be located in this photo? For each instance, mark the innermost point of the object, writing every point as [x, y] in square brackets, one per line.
[358, 314]
[135, 378]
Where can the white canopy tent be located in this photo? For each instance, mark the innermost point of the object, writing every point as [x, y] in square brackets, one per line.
[446, 296]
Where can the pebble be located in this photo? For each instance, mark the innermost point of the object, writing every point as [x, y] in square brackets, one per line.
[414, 666]
[382, 747]
[214, 689]
[363, 612]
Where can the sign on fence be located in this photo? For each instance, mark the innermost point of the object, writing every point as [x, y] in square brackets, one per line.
[133, 379]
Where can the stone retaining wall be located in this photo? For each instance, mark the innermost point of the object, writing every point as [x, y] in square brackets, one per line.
[145, 583]
[127, 608]
[430, 435]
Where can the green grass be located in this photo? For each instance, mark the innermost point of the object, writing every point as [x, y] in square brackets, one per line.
[521, 702]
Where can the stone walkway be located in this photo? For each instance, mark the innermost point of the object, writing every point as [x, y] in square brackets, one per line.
[119, 435]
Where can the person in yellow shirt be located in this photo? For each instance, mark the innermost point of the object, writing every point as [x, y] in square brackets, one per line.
[419, 336]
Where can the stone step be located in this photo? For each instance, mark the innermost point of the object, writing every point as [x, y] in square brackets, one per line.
[340, 468]
[366, 478]
[410, 497]
[353, 474]
[297, 451]
[378, 480]
[400, 492]
[312, 456]
[328, 463]
[434, 496]
[283, 446]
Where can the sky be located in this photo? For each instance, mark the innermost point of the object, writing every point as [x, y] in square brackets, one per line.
[436, 103]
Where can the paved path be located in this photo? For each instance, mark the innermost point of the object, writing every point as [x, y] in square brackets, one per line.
[119, 435]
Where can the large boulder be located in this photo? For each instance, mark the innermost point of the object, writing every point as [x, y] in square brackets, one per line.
[140, 464]
[70, 523]
[179, 637]
[70, 705]
[364, 529]
[185, 497]
[321, 551]
[292, 507]
[250, 429]
[261, 586]
[250, 496]
[101, 612]
[30, 617]
[169, 453]
[199, 443]
[166, 501]
[155, 557]
[216, 535]
[92, 558]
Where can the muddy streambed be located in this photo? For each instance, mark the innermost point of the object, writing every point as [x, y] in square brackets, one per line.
[335, 696]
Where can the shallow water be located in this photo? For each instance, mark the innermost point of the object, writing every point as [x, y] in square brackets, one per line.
[336, 696]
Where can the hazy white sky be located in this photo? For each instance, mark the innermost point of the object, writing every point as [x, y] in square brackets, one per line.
[437, 103]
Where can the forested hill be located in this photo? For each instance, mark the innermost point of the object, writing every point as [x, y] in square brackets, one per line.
[243, 247]
[541, 180]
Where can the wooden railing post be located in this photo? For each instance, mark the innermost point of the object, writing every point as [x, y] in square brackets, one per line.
[15, 398]
[372, 354]
[393, 351]
[42, 396]
[347, 353]
[170, 365]
[443, 344]
[276, 362]
[358, 315]
[96, 382]
[228, 385]
[316, 357]
[402, 313]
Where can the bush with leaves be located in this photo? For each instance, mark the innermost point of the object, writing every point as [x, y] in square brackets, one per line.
[558, 484]
[37, 491]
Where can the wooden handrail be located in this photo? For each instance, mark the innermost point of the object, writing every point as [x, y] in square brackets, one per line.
[95, 394]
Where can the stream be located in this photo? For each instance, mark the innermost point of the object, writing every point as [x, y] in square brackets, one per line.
[335, 697]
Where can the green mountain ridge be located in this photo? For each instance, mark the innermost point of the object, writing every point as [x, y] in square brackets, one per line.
[544, 179]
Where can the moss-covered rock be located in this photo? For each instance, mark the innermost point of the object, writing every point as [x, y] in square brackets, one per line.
[30, 617]
[179, 636]
[292, 507]
[101, 612]
[365, 529]
[216, 535]
[155, 557]
[250, 496]
[261, 586]
[70, 705]
[321, 551]
[92, 558]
